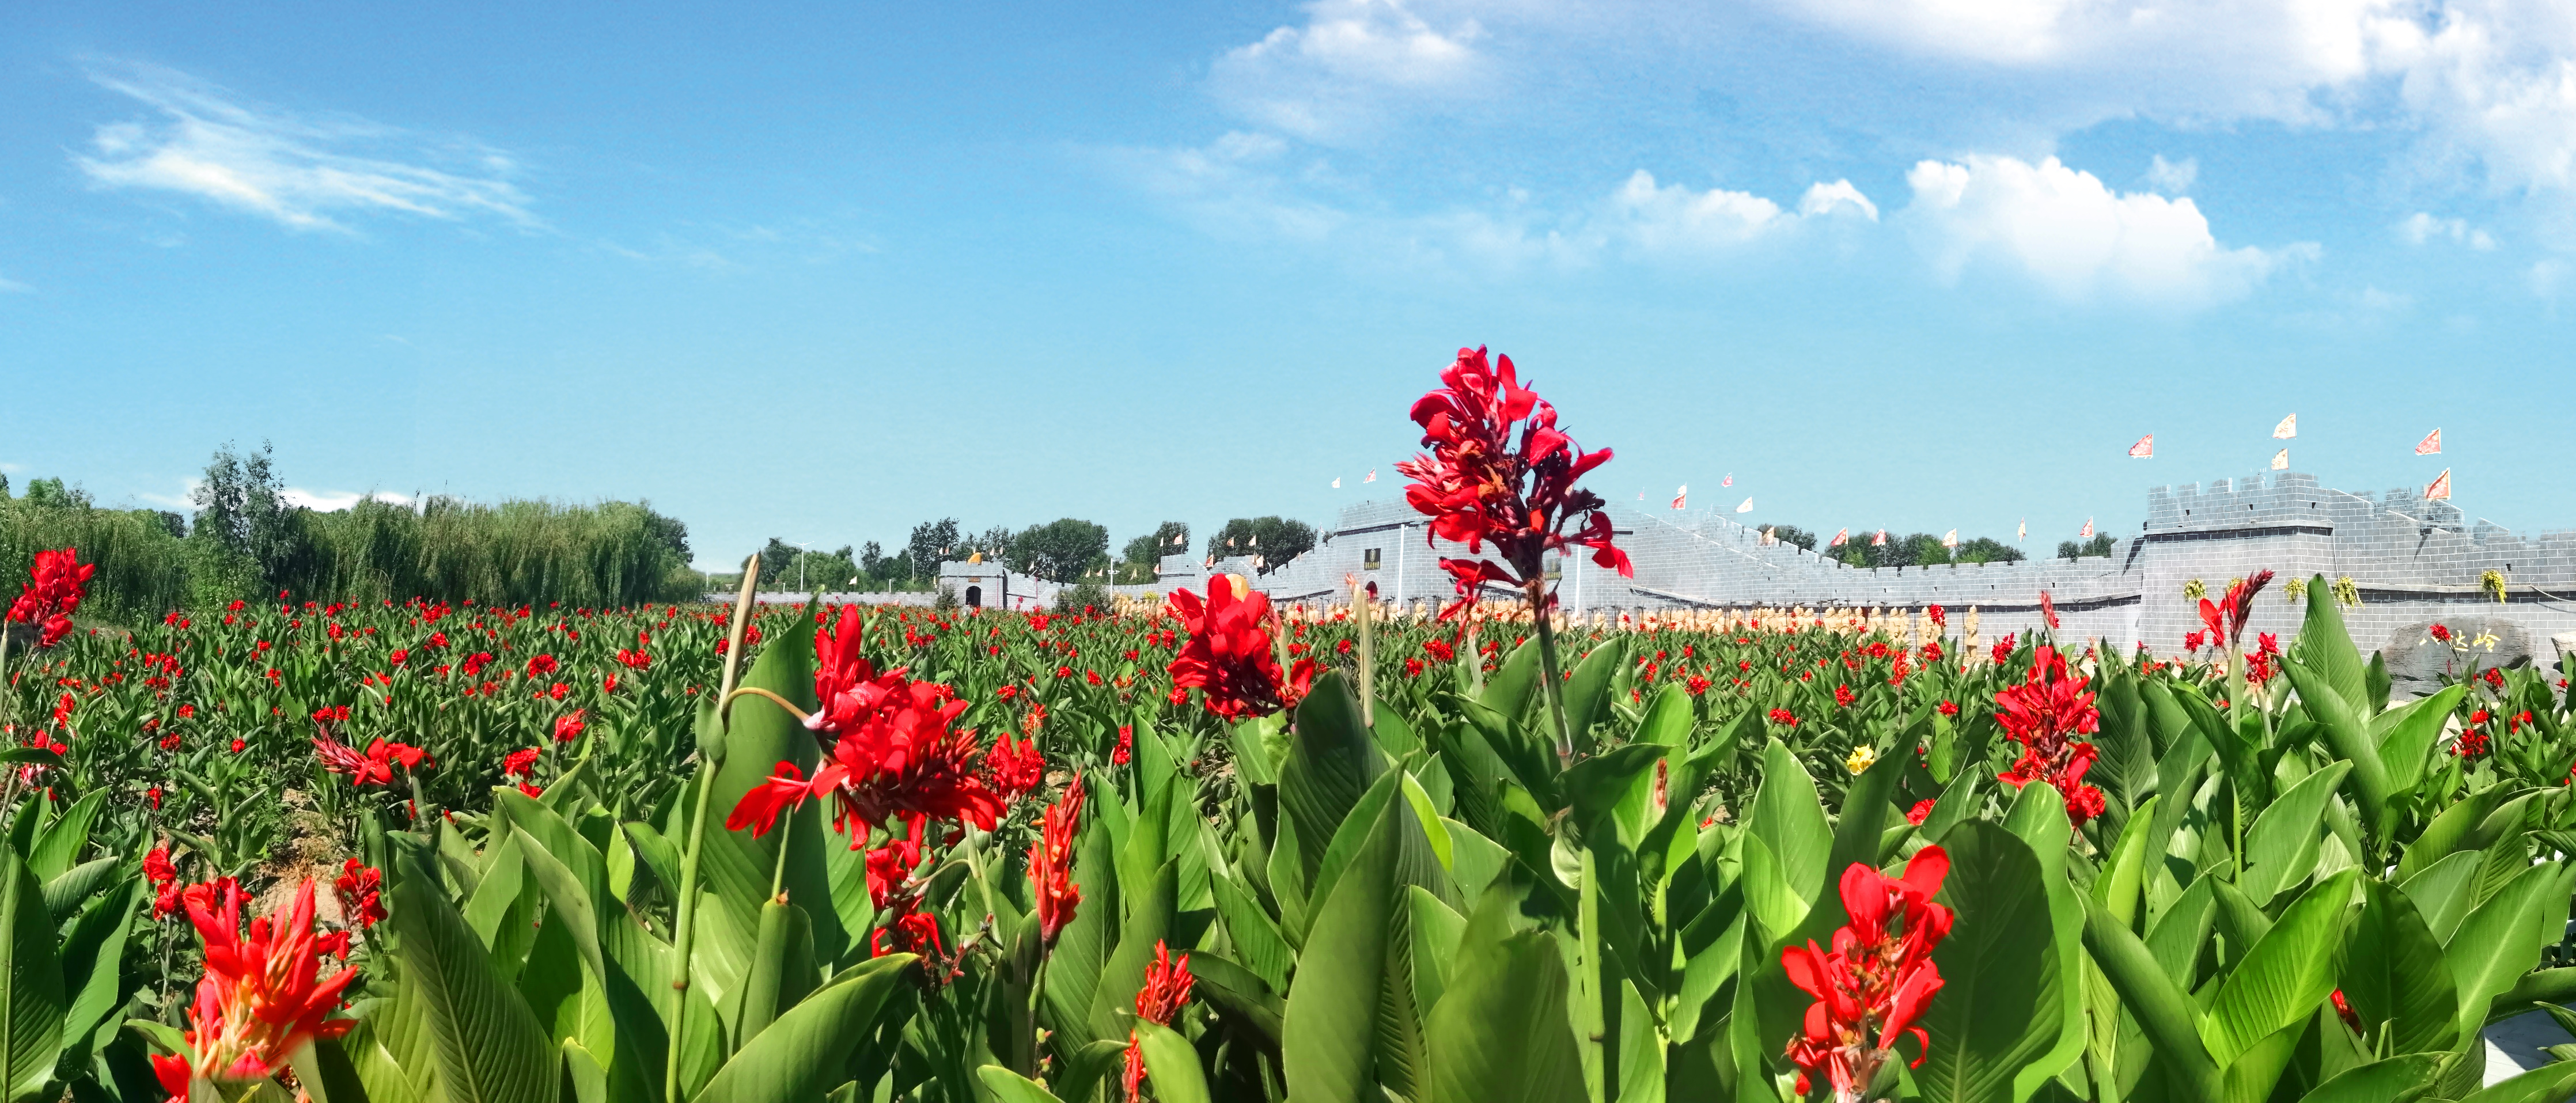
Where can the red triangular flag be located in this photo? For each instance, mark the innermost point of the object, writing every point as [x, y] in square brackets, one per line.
[1840, 538]
[2145, 448]
[2441, 487]
[2431, 445]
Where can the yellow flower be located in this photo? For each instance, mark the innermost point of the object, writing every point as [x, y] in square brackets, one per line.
[1861, 759]
[2194, 591]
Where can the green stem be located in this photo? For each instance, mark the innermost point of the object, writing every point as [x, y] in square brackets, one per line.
[778, 869]
[1364, 610]
[684, 928]
[1548, 668]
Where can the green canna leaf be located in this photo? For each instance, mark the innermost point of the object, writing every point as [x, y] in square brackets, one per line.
[1789, 819]
[1329, 1043]
[33, 1005]
[1501, 1033]
[2385, 1081]
[1171, 1064]
[2002, 1004]
[803, 1053]
[2394, 973]
[2281, 849]
[2286, 974]
[1011, 1087]
[487, 1046]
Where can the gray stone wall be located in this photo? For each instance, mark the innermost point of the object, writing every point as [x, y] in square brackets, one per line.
[2415, 563]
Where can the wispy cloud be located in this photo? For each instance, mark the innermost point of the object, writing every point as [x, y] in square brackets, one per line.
[12, 287]
[2420, 228]
[333, 501]
[1331, 76]
[306, 172]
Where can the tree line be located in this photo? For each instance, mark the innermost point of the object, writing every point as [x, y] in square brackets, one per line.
[1067, 550]
[244, 540]
[1922, 549]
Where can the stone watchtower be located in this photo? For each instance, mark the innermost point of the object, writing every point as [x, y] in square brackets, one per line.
[980, 583]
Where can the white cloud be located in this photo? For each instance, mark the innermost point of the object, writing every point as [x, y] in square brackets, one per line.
[12, 287]
[304, 172]
[1325, 79]
[1674, 215]
[2074, 235]
[333, 501]
[2420, 228]
[1672, 218]
[2489, 84]
[2173, 177]
[186, 498]
[2546, 276]
[1829, 198]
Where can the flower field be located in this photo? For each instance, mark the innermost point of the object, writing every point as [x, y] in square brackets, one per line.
[431, 853]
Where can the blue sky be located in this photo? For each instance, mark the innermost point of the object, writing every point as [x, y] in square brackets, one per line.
[822, 272]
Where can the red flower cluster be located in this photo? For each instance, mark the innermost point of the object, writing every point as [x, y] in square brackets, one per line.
[569, 727]
[1478, 486]
[52, 591]
[1228, 658]
[376, 767]
[1017, 768]
[2044, 713]
[1051, 863]
[261, 998]
[1873, 986]
[892, 753]
[1167, 987]
[2226, 617]
[1784, 717]
[360, 887]
[164, 878]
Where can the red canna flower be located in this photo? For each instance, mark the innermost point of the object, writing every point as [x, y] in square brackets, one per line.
[1051, 863]
[1126, 748]
[519, 763]
[1478, 487]
[261, 998]
[570, 726]
[2044, 713]
[1016, 768]
[2191, 640]
[1872, 987]
[2226, 617]
[52, 591]
[541, 665]
[1949, 708]
[891, 753]
[360, 888]
[1784, 717]
[1921, 811]
[157, 867]
[1228, 658]
[1167, 987]
[375, 767]
[2344, 1011]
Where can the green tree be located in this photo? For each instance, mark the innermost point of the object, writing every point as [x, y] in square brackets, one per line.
[931, 542]
[1149, 549]
[2070, 549]
[777, 564]
[1986, 549]
[250, 536]
[1791, 534]
[1060, 550]
[1275, 539]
